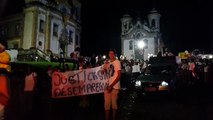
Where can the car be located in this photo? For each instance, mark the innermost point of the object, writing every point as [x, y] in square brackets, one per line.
[159, 76]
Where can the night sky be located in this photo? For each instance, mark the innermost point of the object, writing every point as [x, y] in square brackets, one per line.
[185, 24]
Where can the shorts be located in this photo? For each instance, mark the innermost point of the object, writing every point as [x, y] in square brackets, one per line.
[111, 99]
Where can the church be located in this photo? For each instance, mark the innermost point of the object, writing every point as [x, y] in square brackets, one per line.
[46, 25]
[141, 39]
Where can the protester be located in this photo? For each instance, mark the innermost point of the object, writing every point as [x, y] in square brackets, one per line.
[206, 71]
[4, 57]
[49, 71]
[136, 69]
[5, 68]
[66, 67]
[93, 60]
[74, 60]
[128, 72]
[113, 66]
[168, 53]
[49, 80]
[29, 90]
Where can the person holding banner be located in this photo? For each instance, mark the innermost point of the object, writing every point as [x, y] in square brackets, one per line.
[113, 68]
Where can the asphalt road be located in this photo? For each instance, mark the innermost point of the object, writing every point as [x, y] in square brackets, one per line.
[188, 104]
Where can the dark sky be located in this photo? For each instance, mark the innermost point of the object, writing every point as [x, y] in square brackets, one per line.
[185, 24]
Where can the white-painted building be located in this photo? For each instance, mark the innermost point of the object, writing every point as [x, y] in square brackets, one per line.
[141, 39]
[44, 24]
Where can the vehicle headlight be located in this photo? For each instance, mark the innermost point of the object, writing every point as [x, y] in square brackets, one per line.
[164, 83]
[138, 83]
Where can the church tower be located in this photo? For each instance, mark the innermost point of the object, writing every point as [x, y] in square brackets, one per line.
[154, 20]
[126, 22]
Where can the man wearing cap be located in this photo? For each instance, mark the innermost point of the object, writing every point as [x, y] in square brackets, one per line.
[4, 57]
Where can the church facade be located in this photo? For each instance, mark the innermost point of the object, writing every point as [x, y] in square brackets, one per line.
[140, 40]
[47, 25]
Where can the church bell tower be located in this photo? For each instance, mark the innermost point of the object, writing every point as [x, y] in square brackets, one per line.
[154, 20]
[126, 22]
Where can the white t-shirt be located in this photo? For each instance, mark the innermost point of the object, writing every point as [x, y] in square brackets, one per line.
[30, 82]
[114, 67]
[136, 68]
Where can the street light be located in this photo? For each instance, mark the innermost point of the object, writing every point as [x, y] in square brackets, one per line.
[141, 44]
[104, 57]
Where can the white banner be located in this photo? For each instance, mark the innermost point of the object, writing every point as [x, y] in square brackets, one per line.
[80, 82]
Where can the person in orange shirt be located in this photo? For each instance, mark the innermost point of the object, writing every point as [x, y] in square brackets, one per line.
[4, 57]
[4, 69]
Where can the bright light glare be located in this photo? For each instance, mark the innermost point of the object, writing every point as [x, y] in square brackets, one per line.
[141, 44]
[138, 83]
[164, 83]
[210, 56]
[104, 56]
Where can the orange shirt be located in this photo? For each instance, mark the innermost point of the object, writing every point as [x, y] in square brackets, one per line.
[5, 61]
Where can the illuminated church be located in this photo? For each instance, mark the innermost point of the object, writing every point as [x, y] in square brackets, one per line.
[141, 39]
[46, 25]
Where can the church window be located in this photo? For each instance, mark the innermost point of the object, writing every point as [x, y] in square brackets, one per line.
[153, 23]
[40, 43]
[41, 26]
[70, 36]
[125, 26]
[76, 40]
[73, 10]
[15, 45]
[17, 29]
[77, 13]
[55, 30]
[130, 45]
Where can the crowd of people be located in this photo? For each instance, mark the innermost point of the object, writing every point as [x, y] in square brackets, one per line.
[195, 71]
[26, 83]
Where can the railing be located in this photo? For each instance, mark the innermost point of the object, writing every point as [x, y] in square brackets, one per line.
[32, 54]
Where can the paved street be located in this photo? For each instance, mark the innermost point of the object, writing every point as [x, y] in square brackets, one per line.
[192, 104]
